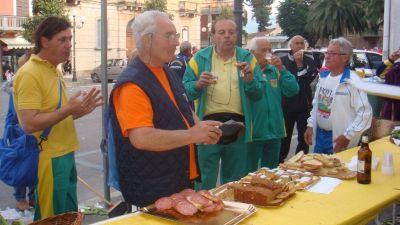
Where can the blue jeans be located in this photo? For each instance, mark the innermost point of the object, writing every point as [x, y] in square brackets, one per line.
[323, 142]
[20, 193]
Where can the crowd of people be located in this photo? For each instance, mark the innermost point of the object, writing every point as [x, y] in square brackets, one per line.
[182, 102]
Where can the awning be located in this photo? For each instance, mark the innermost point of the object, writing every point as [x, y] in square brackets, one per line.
[16, 42]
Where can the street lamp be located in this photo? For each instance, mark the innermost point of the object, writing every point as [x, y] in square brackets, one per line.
[208, 30]
[74, 14]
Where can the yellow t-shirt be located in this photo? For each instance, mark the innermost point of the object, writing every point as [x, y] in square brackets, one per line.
[224, 95]
[37, 86]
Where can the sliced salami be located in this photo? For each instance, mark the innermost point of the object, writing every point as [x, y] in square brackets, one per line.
[210, 208]
[210, 196]
[164, 203]
[187, 192]
[199, 200]
[185, 208]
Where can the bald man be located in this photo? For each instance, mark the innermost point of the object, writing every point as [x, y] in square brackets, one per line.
[296, 109]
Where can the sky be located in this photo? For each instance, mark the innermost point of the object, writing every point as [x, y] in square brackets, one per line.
[251, 25]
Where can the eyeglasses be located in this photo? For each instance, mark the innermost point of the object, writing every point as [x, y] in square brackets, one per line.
[334, 53]
[170, 36]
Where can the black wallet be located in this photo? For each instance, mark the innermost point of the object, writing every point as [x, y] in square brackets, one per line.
[231, 131]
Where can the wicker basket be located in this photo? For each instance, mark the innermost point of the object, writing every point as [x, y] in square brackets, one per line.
[70, 218]
[381, 128]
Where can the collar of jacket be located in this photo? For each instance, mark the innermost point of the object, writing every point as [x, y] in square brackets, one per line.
[346, 74]
[290, 55]
[206, 53]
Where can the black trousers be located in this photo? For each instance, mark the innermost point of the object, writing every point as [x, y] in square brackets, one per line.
[300, 118]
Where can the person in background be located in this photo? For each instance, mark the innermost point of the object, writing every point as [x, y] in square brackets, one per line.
[179, 64]
[20, 191]
[6, 68]
[296, 109]
[268, 116]
[194, 50]
[388, 64]
[390, 71]
[340, 113]
[155, 130]
[225, 81]
[36, 94]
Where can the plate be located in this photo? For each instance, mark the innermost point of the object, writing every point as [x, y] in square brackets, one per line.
[233, 213]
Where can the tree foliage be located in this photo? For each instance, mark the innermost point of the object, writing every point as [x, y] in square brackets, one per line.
[42, 9]
[160, 5]
[292, 16]
[323, 19]
[374, 14]
[327, 18]
[261, 11]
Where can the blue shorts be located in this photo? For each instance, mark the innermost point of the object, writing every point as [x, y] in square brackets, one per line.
[323, 141]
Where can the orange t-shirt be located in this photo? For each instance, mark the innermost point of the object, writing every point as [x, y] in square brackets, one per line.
[139, 113]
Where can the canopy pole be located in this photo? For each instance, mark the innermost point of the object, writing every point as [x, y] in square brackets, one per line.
[104, 88]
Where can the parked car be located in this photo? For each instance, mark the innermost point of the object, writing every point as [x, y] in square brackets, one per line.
[363, 62]
[114, 68]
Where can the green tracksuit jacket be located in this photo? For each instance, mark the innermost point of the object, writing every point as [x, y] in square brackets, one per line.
[268, 116]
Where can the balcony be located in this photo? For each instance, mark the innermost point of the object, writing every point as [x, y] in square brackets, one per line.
[188, 9]
[133, 5]
[12, 23]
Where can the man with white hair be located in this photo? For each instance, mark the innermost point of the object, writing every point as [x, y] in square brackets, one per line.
[268, 116]
[340, 113]
[155, 130]
[296, 109]
[179, 64]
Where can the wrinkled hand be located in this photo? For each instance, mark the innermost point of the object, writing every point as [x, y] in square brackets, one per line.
[298, 57]
[206, 79]
[245, 71]
[308, 135]
[395, 55]
[83, 102]
[277, 62]
[206, 132]
[340, 143]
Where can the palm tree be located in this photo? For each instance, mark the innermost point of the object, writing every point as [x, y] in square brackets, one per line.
[329, 18]
[374, 14]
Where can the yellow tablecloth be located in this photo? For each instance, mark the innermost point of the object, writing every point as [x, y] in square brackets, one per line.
[350, 202]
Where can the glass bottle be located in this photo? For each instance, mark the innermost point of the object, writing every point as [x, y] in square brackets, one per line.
[364, 162]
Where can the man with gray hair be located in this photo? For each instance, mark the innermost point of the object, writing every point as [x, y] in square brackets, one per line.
[179, 64]
[296, 109]
[340, 113]
[269, 128]
[155, 130]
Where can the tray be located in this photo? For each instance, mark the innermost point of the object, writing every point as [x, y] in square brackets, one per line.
[330, 166]
[233, 213]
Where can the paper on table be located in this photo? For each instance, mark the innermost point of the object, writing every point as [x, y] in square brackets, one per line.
[352, 165]
[325, 186]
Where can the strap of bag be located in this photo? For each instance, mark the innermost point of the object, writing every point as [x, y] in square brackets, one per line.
[46, 132]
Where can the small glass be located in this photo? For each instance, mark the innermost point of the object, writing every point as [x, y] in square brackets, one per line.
[268, 57]
[214, 76]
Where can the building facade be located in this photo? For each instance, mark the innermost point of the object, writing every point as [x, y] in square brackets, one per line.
[13, 14]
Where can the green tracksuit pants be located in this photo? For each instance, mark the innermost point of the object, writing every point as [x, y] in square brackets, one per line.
[233, 163]
[56, 189]
[266, 151]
